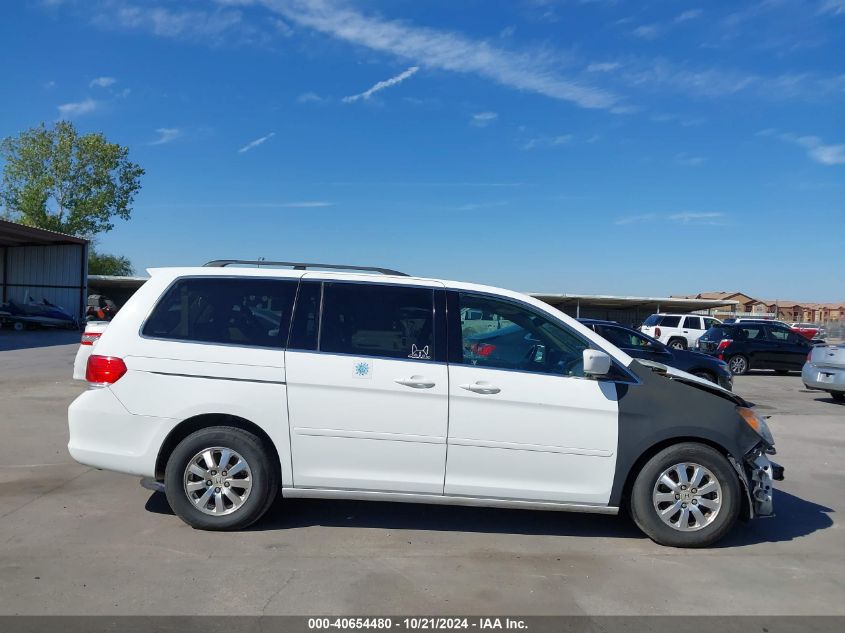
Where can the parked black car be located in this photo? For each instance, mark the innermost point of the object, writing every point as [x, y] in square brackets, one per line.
[752, 345]
[639, 345]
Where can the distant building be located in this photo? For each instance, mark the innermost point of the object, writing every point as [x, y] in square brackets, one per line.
[781, 309]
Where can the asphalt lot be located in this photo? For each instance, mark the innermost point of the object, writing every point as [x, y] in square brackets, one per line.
[80, 541]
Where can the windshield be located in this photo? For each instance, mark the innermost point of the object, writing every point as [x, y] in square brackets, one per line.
[654, 319]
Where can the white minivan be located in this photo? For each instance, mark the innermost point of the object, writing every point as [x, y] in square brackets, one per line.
[230, 384]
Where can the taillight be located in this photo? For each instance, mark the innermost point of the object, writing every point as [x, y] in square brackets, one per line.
[724, 343]
[104, 369]
[88, 338]
[482, 349]
[657, 332]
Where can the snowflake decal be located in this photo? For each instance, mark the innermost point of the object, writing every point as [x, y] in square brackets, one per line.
[362, 369]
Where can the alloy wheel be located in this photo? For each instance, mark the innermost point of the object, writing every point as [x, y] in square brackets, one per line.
[687, 497]
[217, 480]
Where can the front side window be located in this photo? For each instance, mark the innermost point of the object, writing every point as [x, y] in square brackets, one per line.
[624, 338]
[237, 311]
[693, 323]
[378, 320]
[516, 338]
[708, 323]
[753, 332]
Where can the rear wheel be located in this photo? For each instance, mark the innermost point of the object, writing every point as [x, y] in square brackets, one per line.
[687, 495]
[738, 365]
[839, 396]
[677, 343]
[220, 478]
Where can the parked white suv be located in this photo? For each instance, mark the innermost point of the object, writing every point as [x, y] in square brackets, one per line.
[228, 384]
[679, 331]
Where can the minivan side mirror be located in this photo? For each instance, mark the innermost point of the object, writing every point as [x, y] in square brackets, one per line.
[596, 363]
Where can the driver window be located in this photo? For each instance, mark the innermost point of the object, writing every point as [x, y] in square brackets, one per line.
[509, 336]
[624, 339]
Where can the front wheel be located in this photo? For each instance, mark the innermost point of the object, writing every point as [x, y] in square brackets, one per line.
[839, 396]
[738, 365]
[687, 495]
[220, 478]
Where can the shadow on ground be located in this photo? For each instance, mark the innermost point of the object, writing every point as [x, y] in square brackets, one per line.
[796, 518]
[29, 339]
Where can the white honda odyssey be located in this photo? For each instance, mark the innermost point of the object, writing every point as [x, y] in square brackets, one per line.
[230, 384]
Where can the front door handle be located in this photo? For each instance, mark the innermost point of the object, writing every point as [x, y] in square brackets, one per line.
[481, 386]
[416, 382]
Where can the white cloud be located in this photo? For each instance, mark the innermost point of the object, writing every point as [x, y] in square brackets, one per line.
[637, 219]
[483, 119]
[647, 31]
[68, 110]
[689, 161]
[603, 67]
[444, 50]
[816, 149]
[692, 14]
[547, 141]
[102, 82]
[692, 217]
[381, 85]
[165, 22]
[473, 206]
[256, 143]
[833, 7]
[166, 135]
[310, 97]
[684, 217]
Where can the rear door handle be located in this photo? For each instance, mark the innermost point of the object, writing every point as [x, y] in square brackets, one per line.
[481, 386]
[416, 382]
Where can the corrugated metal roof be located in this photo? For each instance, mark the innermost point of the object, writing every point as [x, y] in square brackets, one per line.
[14, 234]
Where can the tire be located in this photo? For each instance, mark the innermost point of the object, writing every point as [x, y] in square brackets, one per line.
[719, 507]
[838, 396]
[677, 343]
[242, 505]
[706, 375]
[738, 365]
[19, 326]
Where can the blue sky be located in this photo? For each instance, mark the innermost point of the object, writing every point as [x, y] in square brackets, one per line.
[545, 145]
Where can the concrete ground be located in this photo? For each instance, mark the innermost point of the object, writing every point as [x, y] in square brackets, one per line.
[74, 540]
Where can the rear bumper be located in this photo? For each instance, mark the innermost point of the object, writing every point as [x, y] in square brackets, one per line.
[103, 434]
[824, 378]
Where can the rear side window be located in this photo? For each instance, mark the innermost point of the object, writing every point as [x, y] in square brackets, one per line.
[670, 321]
[377, 320]
[235, 311]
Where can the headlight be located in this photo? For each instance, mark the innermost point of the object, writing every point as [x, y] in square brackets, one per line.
[757, 423]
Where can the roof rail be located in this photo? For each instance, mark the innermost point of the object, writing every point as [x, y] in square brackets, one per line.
[222, 263]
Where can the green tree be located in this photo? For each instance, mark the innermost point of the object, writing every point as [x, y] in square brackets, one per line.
[57, 179]
[107, 264]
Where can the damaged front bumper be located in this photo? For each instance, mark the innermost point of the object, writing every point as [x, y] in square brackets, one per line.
[757, 473]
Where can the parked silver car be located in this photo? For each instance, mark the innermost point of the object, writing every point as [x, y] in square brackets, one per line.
[825, 370]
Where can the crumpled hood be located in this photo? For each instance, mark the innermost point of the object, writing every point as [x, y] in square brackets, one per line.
[681, 376]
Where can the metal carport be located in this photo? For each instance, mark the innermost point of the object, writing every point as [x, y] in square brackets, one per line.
[43, 265]
[628, 310]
